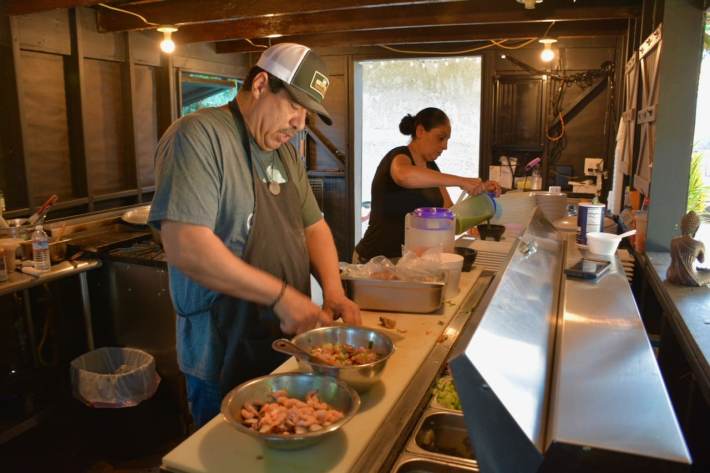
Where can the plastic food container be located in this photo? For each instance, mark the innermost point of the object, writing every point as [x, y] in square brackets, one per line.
[602, 243]
[452, 264]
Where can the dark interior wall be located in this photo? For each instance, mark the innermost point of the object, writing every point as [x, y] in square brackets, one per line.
[83, 110]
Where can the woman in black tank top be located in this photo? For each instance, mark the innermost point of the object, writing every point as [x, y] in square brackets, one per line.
[407, 178]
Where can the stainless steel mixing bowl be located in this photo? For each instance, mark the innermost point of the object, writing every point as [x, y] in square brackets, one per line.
[360, 377]
[330, 390]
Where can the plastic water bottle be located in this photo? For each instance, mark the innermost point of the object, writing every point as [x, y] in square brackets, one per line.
[40, 249]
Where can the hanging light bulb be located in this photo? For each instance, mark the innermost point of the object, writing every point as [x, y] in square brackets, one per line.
[167, 45]
[547, 53]
[529, 4]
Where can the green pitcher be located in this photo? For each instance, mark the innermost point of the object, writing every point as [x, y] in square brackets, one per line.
[473, 210]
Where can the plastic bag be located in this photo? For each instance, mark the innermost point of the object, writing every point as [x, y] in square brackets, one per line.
[114, 377]
[410, 267]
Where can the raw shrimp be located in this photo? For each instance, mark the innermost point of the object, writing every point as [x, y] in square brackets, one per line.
[287, 416]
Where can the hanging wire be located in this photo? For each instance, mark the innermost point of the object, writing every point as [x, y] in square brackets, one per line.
[548, 29]
[121, 10]
[255, 45]
[499, 43]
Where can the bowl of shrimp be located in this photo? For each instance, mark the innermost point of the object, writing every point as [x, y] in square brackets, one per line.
[356, 355]
[290, 411]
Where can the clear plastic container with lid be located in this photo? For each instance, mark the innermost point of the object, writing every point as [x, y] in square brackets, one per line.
[429, 227]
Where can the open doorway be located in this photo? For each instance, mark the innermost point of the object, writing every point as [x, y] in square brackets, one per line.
[387, 90]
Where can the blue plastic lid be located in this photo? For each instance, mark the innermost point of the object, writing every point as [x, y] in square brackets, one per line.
[434, 212]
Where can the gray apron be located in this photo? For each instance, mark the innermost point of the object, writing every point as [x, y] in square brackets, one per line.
[276, 244]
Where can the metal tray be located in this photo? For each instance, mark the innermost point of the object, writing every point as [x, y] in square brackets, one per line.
[414, 464]
[442, 435]
[395, 296]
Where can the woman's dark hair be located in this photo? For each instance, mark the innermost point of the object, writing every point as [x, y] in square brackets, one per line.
[275, 84]
[429, 118]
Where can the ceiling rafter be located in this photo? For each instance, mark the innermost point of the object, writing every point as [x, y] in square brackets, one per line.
[458, 13]
[277, 12]
[437, 34]
[22, 7]
[204, 11]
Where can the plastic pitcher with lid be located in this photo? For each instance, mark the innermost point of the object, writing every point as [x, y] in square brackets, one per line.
[429, 227]
[473, 210]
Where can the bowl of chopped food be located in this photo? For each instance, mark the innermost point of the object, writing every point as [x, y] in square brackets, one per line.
[290, 411]
[356, 355]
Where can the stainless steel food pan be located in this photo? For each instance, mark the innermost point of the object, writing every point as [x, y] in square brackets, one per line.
[412, 464]
[395, 296]
[442, 435]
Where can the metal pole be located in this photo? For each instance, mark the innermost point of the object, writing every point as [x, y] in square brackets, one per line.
[86, 307]
[30, 325]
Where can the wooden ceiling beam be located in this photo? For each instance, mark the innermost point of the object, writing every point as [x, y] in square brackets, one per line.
[435, 34]
[192, 11]
[22, 7]
[457, 13]
[279, 14]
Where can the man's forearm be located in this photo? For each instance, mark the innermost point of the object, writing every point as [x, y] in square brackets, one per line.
[202, 256]
[324, 257]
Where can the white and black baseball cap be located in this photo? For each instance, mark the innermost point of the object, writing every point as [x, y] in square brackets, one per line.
[303, 73]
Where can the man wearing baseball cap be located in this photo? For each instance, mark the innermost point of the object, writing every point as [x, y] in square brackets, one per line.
[241, 228]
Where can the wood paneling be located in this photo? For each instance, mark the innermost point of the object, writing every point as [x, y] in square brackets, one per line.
[146, 118]
[110, 166]
[47, 31]
[145, 47]
[47, 134]
[99, 45]
[22, 7]
[13, 180]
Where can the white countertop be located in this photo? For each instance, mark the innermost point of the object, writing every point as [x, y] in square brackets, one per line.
[218, 447]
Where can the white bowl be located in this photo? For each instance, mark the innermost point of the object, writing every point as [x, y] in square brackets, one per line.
[602, 243]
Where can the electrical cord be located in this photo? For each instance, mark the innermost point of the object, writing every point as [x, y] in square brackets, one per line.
[121, 10]
[492, 42]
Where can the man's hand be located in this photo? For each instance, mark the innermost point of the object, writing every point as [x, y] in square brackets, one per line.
[338, 305]
[298, 313]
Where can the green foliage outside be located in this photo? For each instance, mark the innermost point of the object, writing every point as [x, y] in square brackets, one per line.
[698, 192]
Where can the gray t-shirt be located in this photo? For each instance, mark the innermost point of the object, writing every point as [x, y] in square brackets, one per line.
[203, 178]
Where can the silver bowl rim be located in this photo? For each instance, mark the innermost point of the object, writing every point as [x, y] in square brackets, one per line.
[354, 396]
[390, 343]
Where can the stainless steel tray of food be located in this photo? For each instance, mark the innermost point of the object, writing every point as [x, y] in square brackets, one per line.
[395, 295]
[442, 435]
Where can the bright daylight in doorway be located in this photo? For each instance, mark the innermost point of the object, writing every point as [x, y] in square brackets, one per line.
[390, 89]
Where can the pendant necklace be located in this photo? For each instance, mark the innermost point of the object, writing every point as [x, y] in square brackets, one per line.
[274, 186]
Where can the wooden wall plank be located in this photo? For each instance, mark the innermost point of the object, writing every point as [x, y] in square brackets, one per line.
[111, 168]
[22, 7]
[146, 119]
[13, 176]
[336, 102]
[146, 47]
[44, 103]
[46, 31]
[99, 45]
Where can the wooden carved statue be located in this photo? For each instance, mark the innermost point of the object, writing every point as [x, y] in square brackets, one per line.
[684, 251]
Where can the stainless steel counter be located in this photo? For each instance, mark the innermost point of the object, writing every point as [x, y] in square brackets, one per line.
[607, 378]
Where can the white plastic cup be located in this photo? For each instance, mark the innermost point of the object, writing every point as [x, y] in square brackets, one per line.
[602, 243]
[452, 265]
